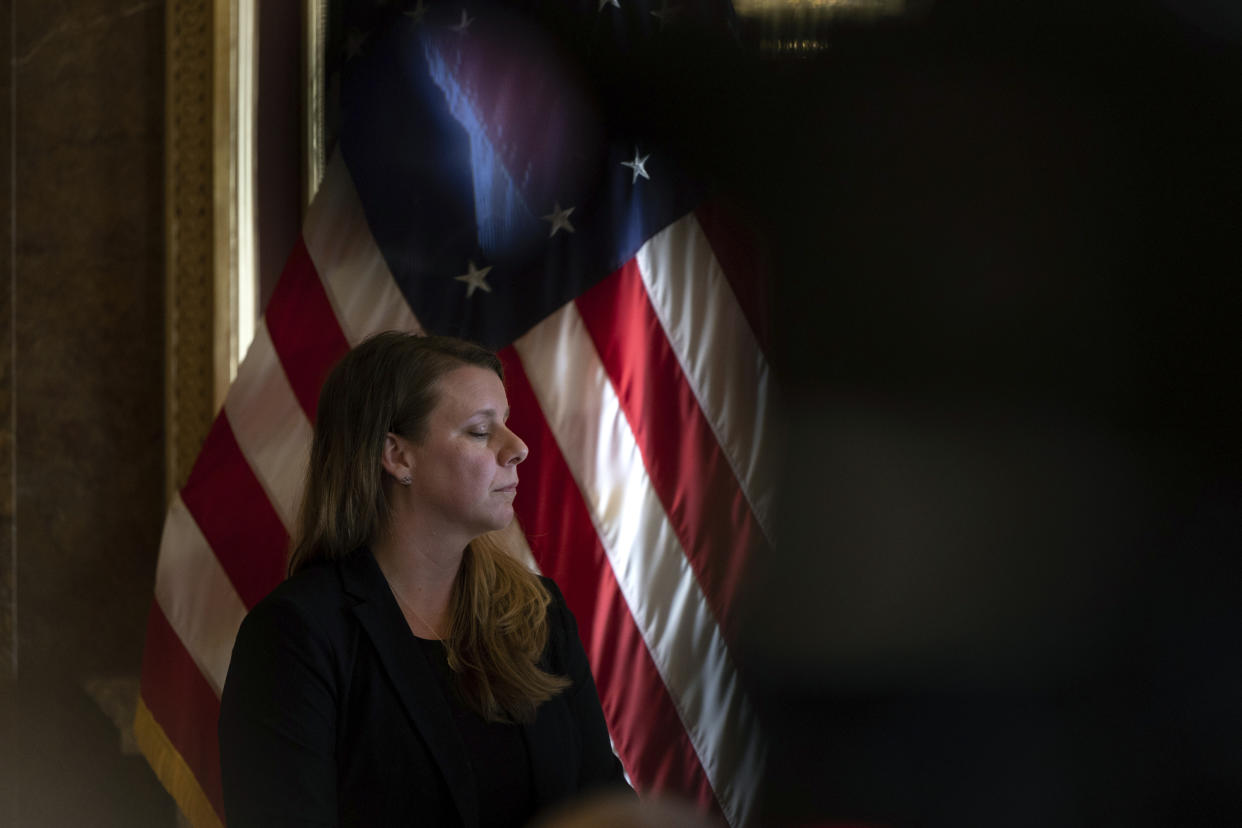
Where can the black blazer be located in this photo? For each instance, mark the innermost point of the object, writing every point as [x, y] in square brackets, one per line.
[331, 713]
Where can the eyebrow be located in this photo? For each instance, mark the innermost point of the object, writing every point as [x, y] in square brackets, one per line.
[491, 413]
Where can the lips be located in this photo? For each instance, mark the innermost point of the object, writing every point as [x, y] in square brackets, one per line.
[512, 487]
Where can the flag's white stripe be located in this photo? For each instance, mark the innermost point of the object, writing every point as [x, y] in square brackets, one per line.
[353, 271]
[196, 595]
[718, 352]
[270, 426]
[583, 412]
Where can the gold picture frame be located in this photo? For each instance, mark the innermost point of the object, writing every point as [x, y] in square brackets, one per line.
[210, 99]
[200, 224]
[314, 130]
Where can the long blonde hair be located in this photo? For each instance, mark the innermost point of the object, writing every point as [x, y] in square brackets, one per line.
[498, 608]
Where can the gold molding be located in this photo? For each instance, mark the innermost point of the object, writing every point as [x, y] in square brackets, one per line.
[208, 220]
[225, 221]
[314, 149]
[189, 235]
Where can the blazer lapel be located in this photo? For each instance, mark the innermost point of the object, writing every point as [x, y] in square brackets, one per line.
[412, 677]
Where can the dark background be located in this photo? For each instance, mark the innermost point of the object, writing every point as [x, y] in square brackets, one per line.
[1002, 250]
[1003, 241]
[1005, 245]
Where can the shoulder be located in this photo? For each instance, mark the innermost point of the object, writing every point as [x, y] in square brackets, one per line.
[562, 629]
[553, 590]
[311, 604]
[559, 616]
[315, 584]
[294, 643]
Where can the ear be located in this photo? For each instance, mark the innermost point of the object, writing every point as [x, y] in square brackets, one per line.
[396, 456]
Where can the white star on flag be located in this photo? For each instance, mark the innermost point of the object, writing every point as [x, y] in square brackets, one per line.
[475, 278]
[461, 27]
[666, 13]
[416, 14]
[638, 165]
[559, 219]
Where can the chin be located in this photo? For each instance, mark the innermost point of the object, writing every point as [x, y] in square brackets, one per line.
[497, 523]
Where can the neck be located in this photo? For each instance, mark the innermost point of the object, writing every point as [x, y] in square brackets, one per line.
[421, 571]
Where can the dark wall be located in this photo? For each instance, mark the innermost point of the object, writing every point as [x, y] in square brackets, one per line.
[81, 392]
[1008, 304]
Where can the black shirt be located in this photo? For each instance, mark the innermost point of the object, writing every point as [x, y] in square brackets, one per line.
[497, 751]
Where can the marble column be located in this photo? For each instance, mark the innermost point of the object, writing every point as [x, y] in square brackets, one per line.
[81, 404]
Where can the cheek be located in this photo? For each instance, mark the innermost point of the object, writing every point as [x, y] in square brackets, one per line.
[484, 472]
[472, 469]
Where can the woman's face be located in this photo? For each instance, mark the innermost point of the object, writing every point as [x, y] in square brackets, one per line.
[465, 468]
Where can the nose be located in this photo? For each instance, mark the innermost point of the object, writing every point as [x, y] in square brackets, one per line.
[515, 450]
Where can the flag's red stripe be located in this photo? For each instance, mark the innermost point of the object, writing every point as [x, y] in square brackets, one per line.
[688, 470]
[304, 328]
[234, 514]
[634, 696]
[183, 704]
[646, 729]
[738, 251]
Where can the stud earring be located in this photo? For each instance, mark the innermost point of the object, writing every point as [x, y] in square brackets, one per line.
[407, 480]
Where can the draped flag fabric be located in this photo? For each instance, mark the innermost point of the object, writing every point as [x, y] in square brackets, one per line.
[476, 191]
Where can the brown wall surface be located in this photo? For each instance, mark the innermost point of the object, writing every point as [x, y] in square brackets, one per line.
[8, 571]
[81, 404]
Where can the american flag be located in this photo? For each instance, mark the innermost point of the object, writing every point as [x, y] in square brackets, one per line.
[479, 189]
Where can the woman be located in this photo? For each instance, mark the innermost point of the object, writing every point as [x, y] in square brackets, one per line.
[409, 671]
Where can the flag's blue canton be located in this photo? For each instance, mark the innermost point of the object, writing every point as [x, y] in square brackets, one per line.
[420, 172]
[501, 211]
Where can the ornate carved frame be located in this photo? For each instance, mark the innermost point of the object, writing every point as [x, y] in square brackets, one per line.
[197, 293]
[205, 213]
